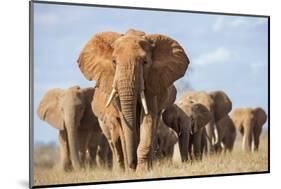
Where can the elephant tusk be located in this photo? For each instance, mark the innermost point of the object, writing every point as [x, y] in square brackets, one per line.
[112, 94]
[143, 102]
[216, 135]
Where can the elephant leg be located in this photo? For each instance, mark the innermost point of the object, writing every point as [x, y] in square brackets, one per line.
[64, 151]
[107, 155]
[229, 143]
[148, 128]
[100, 158]
[145, 146]
[257, 133]
[83, 137]
[197, 141]
[190, 145]
[113, 133]
[93, 155]
[119, 154]
[91, 150]
[204, 147]
[102, 153]
[109, 158]
[248, 136]
[230, 147]
[117, 147]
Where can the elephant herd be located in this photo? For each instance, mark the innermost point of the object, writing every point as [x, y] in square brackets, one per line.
[130, 117]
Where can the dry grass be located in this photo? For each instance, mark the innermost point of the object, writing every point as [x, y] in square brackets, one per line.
[49, 173]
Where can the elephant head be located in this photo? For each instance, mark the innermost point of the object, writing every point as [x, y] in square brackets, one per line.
[200, 117]
[222, 104]
[133, 67]
[64, 110]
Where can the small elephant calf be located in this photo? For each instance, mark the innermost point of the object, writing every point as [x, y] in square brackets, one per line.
[166, 140]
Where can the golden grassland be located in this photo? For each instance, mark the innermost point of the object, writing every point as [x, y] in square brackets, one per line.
[47, 172]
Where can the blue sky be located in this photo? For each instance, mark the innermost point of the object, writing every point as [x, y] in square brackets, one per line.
[226, 52]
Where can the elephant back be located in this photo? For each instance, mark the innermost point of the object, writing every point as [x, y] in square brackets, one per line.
[168, 98]
[200, 97]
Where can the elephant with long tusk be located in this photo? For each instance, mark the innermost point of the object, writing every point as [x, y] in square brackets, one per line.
[219, 105]
[133, 72]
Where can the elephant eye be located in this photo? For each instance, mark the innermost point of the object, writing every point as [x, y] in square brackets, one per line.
[114, 62]
[145, 62]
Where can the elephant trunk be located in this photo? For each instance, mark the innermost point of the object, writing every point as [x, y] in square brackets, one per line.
[128, 102]
[184, 143]
[210, 137]
[256, 142]
[247, 141]
[248, 136]
[73, 144]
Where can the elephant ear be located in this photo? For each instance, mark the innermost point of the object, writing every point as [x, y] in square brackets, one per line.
[169, 63]
[169, 115]
[168, 98]
[172, 137]
[260, 116]
[200, 115]
[222, 104]
[88, 94]
[95, 60]
[49, 109]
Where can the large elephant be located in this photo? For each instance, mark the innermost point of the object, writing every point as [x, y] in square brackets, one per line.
[249, 122]
[188, 120]
[227, 132]
[219, 104]
[70, 112]
[133, 72]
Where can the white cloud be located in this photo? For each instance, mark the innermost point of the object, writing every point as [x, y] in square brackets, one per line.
[218, 55]
[222, 23]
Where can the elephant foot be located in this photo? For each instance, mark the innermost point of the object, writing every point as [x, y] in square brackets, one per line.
[144, 166]
[118, 167]
[67, 167]
[198, 157]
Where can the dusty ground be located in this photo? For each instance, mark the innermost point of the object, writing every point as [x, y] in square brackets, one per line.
[46, 171]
